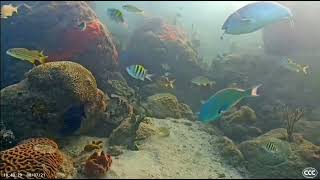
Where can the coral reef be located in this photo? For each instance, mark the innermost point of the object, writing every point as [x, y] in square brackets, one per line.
[244, 115]
[285, 160]
[291, 116]
[115, 150]
[36, 155]
[164, 44]
[238, 124]
[309, 130]
[125, 133]
[230, 151]
[58, 34]
[92, 146]
[36, 106]
[97, 165]
[7, 138]
[146, 129]
[164, 105]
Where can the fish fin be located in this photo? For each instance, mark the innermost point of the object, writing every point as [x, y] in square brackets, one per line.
[33, 61]
[223, 109]
[148, 76]
[304, 69]
[253, 91]
[221, 37]
[43, 59]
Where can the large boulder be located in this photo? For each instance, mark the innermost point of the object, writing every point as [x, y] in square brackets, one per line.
[40, 104]
[53, 27]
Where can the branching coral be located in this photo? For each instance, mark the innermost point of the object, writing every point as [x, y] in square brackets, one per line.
[291, 116]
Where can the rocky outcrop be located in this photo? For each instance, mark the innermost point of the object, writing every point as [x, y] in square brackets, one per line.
[39, 105]
[164, 105]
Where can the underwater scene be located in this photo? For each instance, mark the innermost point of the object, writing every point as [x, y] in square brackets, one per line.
[160, 90]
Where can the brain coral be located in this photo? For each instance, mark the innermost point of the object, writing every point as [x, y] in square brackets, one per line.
[38, 105]
[36, 155]
[66, 79]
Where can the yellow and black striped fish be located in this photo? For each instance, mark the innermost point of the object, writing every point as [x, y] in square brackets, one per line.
[115, 14]
[33, 56]
[271, 147]
[138, 72]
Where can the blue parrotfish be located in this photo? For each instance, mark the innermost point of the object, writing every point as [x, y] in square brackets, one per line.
[223, 101]
[255, 16]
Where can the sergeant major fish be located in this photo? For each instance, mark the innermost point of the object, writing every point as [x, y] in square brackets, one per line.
[255, 16]
[271, 147]
[138, 72]
[116, 15]
[223, 101]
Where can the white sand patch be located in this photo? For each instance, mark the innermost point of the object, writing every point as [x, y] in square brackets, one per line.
[189, 152]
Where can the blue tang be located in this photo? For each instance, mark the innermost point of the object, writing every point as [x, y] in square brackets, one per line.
[223, 101]
[255, 16]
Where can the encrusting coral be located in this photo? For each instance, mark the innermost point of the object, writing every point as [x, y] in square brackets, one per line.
[97, 165]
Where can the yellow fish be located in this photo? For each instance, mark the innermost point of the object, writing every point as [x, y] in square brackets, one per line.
[292, 66]
[28, 55]
[8, 10]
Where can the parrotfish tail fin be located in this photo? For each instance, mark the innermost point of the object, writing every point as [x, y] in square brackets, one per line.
[148, 76]
[305, 68]
[253, 91]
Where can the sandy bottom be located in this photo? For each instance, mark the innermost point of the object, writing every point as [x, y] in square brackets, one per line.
[188, 152]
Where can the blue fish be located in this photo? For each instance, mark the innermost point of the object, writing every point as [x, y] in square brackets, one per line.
[223, 101]
[138, 72]
[255, 16]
